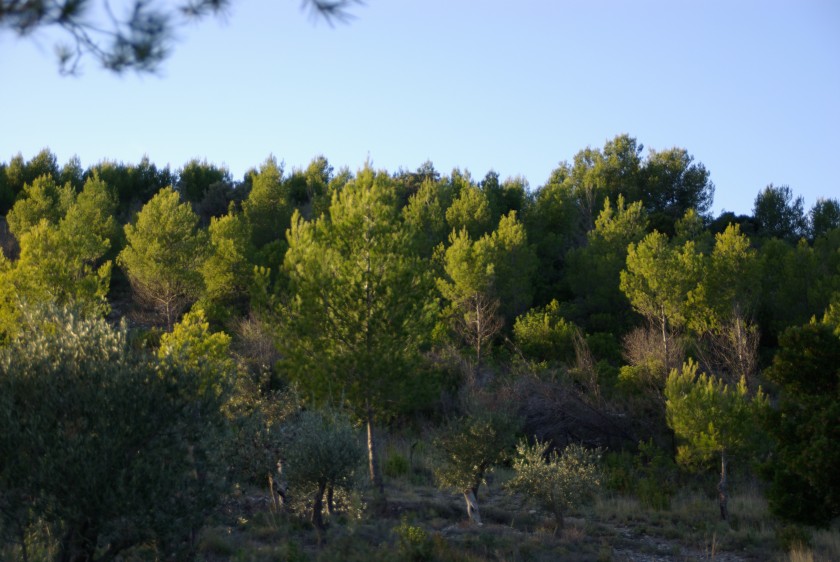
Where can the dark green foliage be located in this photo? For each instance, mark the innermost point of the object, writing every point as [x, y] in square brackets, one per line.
[779, 215]
[673, 184]
[268, 208]
[108, 448]
[651, 474]
[593, 270]
[824, 217]
[796, 281]
[396, 465]
[134, 184]
[17, 173]
[806, 425]
[196, 177]
[469, 447]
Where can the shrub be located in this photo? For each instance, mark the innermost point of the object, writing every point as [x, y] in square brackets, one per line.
[396, 465]
[415, 545]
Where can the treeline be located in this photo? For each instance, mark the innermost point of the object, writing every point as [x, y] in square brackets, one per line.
[606, 307]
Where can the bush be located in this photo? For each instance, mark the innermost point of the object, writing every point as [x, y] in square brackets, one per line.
[396, 465]
[415, 545]
[656, 476]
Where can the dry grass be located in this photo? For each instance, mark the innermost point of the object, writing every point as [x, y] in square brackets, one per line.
[825, 547]
[616, 527]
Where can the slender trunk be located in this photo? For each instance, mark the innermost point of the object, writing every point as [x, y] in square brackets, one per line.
[559, 520]
[478, 337]
[318, 507]
[79, 544]
[24, 551]
[723, 497]
[472, 506]
[330, 499]
[557, 509]
[373, 466]
[666, 360]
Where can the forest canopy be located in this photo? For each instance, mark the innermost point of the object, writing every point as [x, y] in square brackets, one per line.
[607, 308]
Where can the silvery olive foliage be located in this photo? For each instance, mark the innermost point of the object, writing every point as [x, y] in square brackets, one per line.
[319, 453]
[557, 481]
[103, 448]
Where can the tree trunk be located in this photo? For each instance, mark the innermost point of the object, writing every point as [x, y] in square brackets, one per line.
[557, 510]
[472, 507]
[559, 520]
[79, 544]
[330, 499]
[380, 503]
[723, 497]
[318, 507]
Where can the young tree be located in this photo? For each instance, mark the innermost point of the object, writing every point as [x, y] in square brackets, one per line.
[558, 481]
[469, 447]
[360, 305]
[425, 216]
[163, 256]
[268, 208]
[19, 172]
[543, 334]
[194, 348]
[658, 280]
[726, 300]
[63, 255]
[488, 276]
[713, 419]
[319, 451]
[228, 272]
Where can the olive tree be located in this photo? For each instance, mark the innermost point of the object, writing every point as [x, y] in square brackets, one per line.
[469, 447]
[558, 481]
[104, 447]
[319, 453]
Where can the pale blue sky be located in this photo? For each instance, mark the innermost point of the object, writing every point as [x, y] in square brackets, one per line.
[750, 88]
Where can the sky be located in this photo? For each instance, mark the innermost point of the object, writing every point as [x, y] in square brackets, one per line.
[750, 88]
